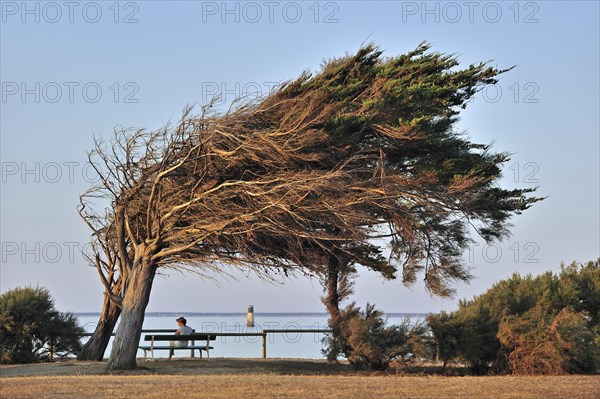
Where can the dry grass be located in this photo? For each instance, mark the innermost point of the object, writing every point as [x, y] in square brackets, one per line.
[274, 378]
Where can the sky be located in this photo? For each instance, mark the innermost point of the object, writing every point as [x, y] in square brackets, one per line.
[71, 70]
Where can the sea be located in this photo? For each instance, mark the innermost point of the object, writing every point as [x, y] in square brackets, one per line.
[287, 344]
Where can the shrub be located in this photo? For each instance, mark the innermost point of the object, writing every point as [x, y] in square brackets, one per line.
[529, 344]
[369, 344]
[580, 352]
[446, 333]
[31, 329]
[336, 344]
[547, 324]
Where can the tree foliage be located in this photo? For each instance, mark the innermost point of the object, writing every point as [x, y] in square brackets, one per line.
[394, 120]
[31, 329]
[527, 325]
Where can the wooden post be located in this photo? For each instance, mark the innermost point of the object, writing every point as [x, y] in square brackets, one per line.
[264, 346]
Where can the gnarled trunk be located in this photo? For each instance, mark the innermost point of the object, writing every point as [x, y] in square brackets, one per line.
[137, 296]
[95, 347]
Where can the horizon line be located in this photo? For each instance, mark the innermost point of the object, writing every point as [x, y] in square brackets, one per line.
[169, 313]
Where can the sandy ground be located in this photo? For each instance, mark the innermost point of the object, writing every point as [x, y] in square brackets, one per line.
[222, 366]
[270, 378]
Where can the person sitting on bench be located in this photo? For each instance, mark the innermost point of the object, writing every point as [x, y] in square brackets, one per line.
[182, 329]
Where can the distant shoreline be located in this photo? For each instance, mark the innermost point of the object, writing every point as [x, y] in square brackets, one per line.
[272, 314]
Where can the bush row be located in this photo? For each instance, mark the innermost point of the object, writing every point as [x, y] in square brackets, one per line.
[548, 324]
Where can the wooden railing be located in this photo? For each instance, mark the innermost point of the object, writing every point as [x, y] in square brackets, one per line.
[262, 334]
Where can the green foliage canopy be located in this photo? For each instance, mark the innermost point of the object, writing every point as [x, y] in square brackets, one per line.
[391, 122]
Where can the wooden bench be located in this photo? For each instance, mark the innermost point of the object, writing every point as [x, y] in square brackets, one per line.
[173, 337]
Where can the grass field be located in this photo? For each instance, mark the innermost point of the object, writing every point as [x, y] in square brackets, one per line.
[274, 378]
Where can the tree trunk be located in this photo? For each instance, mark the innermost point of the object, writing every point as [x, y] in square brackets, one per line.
[125, 345]
[332, 298]
[337, 289]
[95, 347]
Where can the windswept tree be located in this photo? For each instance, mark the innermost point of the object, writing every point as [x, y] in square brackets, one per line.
[304, 179]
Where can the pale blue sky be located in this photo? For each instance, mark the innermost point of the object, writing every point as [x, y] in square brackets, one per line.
[55, 58]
